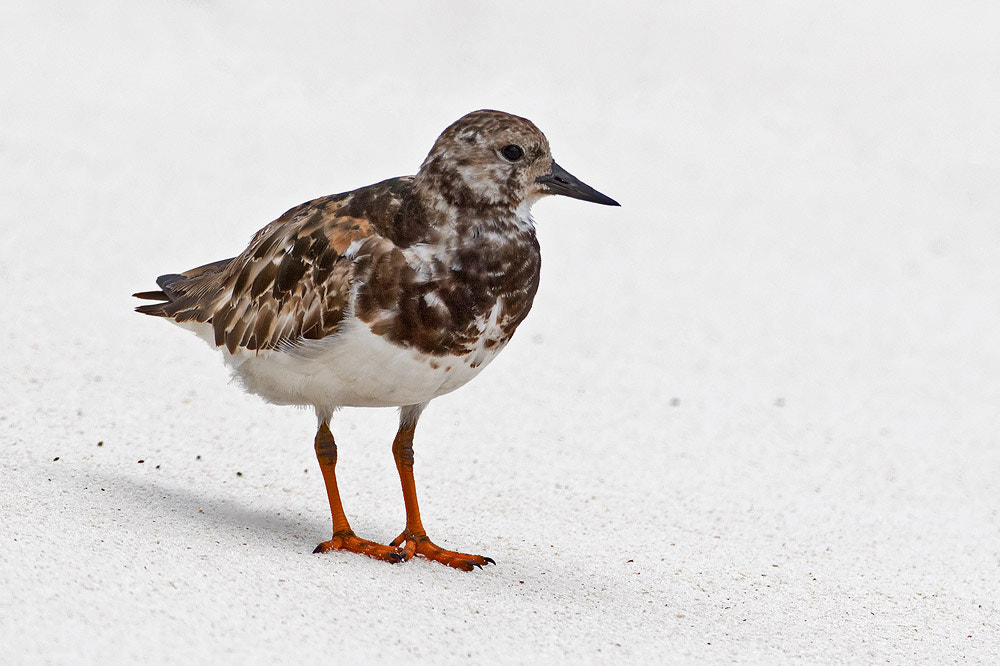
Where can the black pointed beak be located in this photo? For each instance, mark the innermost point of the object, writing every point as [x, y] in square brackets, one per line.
[560, 181]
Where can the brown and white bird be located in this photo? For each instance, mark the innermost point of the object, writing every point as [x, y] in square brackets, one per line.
[386, 296]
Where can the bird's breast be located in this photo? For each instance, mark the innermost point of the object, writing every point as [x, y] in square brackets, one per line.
[451, 300]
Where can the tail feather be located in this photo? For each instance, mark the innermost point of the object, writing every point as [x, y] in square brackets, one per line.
[151, 296]
[172, 287]
[165, 282]
[166, 296]
[155, 309]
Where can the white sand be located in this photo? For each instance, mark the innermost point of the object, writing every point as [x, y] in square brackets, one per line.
[807, 262]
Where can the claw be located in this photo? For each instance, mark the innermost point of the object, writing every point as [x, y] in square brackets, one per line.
[489, 559]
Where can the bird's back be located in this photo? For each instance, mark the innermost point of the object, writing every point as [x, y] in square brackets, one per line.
[369, 254]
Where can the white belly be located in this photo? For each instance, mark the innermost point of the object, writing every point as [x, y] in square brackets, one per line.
[354, 368]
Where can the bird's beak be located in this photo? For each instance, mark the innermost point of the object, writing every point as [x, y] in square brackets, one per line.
[560, 181]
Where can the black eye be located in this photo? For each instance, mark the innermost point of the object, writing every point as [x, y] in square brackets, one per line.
[512, 152]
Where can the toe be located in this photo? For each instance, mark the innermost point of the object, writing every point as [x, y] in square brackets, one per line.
[463, 561]
[354, 544]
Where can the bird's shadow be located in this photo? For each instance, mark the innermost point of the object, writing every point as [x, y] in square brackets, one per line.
[152, 499]
[182, 509]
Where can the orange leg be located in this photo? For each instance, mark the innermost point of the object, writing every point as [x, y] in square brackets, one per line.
[414, 539]
[343, 536]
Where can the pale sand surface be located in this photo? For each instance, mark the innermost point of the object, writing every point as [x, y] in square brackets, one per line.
[753, 416]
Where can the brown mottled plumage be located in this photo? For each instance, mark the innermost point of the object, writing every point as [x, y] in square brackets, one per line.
[391, 294]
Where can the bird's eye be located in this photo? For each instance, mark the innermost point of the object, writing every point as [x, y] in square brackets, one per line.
[512, 152]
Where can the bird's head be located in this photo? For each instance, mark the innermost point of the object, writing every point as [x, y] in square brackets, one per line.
[495, 159]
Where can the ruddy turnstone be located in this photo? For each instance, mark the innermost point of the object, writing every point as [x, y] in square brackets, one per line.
[387, 296]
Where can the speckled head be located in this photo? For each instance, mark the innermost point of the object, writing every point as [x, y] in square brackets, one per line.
[495, 159]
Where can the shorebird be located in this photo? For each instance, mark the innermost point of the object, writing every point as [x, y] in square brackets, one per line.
[385, 296]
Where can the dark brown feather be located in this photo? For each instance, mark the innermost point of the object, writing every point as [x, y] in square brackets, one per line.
[423, 276]
[292, 282]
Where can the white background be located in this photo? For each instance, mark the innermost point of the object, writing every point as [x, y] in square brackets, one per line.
[752, 417]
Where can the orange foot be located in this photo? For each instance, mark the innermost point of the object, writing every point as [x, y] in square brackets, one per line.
[419, 544]
[348, 541]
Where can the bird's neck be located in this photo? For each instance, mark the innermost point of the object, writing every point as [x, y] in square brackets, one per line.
[455, 219]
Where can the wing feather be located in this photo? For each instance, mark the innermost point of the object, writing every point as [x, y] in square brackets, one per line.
[294, 281]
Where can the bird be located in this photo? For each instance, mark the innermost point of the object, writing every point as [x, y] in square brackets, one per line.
[389, 295]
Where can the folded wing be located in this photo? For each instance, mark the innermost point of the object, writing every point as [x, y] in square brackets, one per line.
[292, 282]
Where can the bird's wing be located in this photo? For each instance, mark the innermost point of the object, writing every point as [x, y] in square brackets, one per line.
[293, 281]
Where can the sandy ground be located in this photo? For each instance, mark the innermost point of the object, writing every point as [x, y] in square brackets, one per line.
[753, 416]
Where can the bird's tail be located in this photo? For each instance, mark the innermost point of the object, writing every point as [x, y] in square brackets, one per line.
[172, 286]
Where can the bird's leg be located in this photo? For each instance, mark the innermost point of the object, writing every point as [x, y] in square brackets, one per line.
[414, 539]
[343, 536]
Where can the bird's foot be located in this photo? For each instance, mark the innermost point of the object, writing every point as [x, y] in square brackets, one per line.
[411, 544]
[348, 541]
